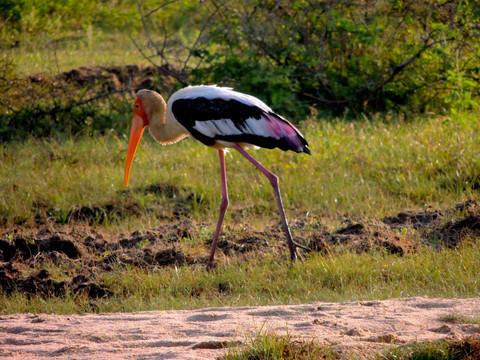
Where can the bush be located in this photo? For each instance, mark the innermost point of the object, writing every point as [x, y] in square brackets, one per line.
[363, 55]
[10, 11]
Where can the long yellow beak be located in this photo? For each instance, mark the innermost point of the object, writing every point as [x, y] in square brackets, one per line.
[135, 135]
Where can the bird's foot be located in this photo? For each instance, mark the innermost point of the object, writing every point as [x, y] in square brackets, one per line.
[294, 254]
[210, 266]
[297, 245]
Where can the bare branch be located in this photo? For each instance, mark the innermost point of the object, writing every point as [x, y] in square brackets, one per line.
[193, 48]
[160, 7]
[178, 75]
[148, 58]
[322, 99]
[397, 68]
[99, 96]
[145, 29]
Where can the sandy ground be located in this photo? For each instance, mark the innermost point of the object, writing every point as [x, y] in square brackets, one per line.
[359, 327]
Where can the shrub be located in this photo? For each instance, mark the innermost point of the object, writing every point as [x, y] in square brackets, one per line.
[370, 55]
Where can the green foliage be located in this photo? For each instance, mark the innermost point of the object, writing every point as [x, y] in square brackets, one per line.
[53, 17]
[403, 56]
[10, 11]
[367, 55]
[71, 18]
[270, 347]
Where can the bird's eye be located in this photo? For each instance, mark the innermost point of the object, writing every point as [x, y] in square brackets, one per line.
[137, 106]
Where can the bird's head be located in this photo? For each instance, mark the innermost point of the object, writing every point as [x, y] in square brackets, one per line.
[149, 109]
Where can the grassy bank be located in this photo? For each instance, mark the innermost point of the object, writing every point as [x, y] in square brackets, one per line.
[371, 168]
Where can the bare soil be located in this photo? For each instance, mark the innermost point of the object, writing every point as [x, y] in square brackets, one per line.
[354, 328]
[25, 255]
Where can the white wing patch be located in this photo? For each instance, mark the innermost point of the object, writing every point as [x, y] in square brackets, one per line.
[212, 128]
[226, 127]
[257, 127]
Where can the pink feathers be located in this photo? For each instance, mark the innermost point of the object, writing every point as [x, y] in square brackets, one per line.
[280, 128]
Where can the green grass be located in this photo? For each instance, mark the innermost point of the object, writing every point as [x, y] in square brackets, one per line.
[460, 319]
[340, 277]
[466, 349]
[371, 168]
[363, 169]
[273, 347]
[52, 56]
[54, 37]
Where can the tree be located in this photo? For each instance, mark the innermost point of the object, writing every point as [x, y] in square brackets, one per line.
[367, 55]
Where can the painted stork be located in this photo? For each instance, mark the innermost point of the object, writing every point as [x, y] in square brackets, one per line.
[221, 118]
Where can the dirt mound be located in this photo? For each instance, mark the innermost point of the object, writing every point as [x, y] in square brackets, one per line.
[448, 228]
[362, 237]
[23, 258]
[114, 78]
[398, 234]
[100, 214]
[109, 212]
[453, 232]
[417, 220]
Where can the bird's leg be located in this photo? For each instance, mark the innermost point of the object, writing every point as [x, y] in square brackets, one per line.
[223, 208]
[274, 181]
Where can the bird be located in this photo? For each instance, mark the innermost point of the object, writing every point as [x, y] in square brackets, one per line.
[223, 119]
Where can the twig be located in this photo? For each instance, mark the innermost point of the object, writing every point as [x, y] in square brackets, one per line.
[322, 99]
[145, 29]
[204, 26]
[148, 58]
[179, 76]
[160, 7]
[97, 97]
[397, 68]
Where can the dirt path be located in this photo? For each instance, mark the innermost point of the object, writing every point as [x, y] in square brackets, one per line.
[361, 327]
